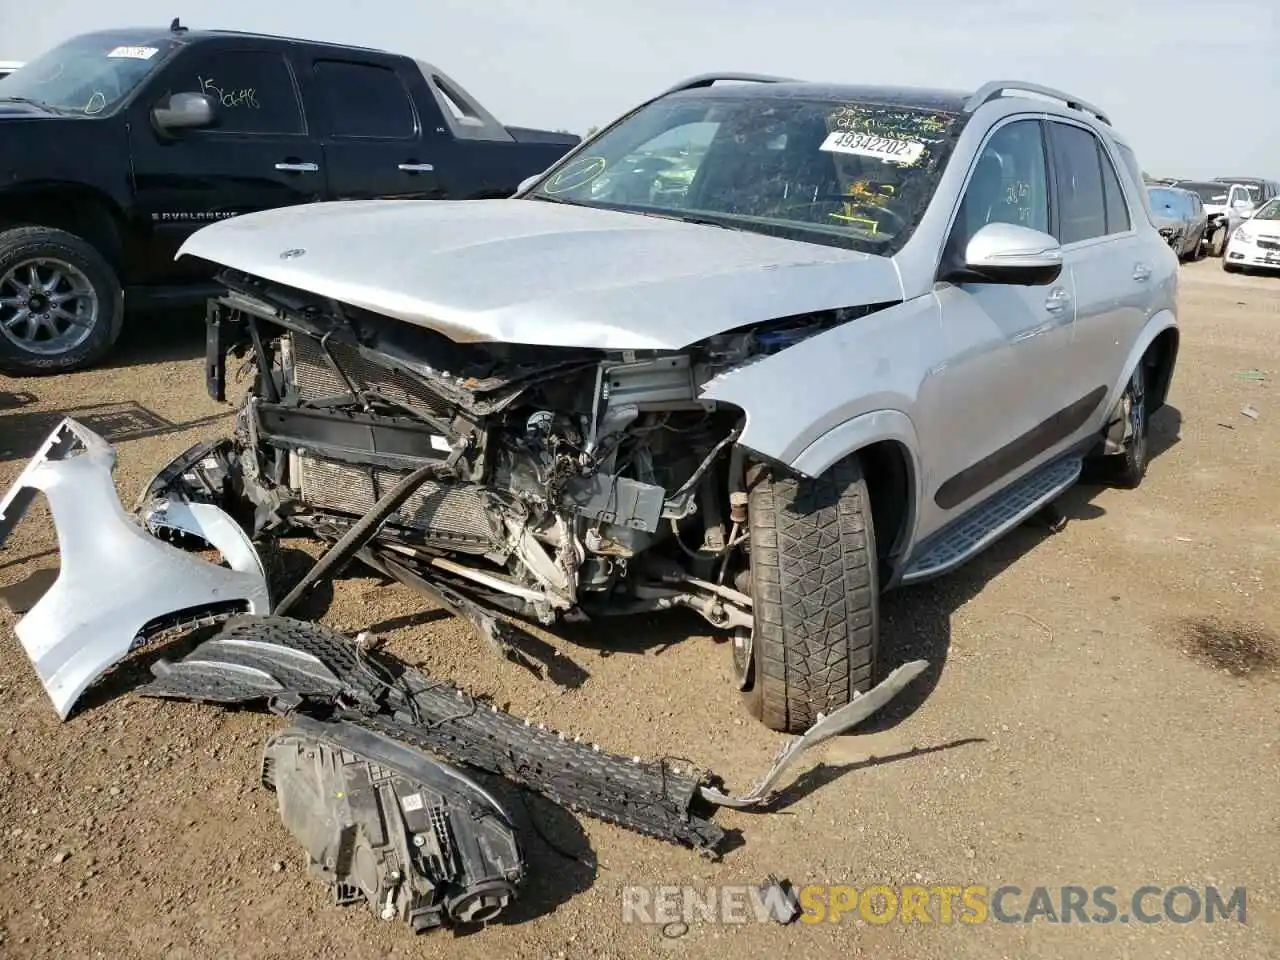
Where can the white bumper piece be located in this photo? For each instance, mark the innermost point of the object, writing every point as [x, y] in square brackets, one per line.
[115, 578]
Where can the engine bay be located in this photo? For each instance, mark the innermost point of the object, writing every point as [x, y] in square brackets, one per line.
[556, 482]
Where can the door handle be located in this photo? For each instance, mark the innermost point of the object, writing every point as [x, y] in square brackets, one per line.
[298, 167]
[1057, 300]
[1141, 272]
[416, 167]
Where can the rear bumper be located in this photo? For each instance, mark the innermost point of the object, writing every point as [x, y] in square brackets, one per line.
[118, 584]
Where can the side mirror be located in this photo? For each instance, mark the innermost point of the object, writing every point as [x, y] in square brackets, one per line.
[527, 182]
[184, 111]
[1248, 211]
[1013, 254]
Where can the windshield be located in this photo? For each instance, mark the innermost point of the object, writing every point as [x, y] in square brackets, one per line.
[1212, 193]
[89, 74]
[855, 175]
[1269, 211]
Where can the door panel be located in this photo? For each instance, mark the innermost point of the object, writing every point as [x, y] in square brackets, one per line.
[375, 145]
[1112, 270]
[257, 157]
[989, 409]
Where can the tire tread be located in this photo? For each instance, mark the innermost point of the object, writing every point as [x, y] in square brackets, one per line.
[815, 594]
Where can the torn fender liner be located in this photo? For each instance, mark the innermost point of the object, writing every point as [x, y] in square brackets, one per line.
[118, 584]
[305, 668]
[381, 822]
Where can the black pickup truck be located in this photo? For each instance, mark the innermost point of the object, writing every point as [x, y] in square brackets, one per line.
[115, 146]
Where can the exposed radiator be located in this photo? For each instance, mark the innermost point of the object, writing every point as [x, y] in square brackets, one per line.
[452, 513]
[317, 380]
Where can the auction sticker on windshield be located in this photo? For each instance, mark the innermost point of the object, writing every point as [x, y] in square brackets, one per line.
[888, 149]
[132, 53]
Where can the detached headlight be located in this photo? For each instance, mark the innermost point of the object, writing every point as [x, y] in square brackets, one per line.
[1243, 235]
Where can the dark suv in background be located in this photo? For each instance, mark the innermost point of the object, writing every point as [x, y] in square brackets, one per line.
[1259, 189]
[116, 146]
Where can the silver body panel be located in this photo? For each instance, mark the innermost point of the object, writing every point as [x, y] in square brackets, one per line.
[520, 271]
[953, 373]
[115, 578]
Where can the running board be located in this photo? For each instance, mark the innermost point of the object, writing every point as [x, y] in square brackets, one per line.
[980, 528]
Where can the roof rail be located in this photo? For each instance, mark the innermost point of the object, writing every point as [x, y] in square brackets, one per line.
[707, 79]
[999, 88]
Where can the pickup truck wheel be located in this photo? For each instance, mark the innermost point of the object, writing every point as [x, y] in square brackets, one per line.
[61, 306]
[1218, 243]
[815, 595]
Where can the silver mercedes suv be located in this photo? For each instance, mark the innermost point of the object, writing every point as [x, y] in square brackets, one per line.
[760, 348]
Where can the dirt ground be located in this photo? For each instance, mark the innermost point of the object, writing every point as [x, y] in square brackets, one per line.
[1103, 709]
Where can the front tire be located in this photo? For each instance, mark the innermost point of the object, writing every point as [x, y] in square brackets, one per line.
[815, 592]
[1219, 242]
[61, 305]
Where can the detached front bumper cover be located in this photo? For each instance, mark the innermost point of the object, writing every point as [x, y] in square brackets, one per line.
[117, 582]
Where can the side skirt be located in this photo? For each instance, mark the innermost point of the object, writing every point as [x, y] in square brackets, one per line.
[982, 526]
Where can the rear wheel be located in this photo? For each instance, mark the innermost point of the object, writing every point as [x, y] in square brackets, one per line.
[1128, 469]
[815, 594]
[61, 306]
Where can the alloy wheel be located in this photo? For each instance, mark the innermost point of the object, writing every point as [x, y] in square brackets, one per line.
[47, 306]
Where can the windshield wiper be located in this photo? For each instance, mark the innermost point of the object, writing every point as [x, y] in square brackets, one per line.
[704, 221]
[35, 103]
[546, 199]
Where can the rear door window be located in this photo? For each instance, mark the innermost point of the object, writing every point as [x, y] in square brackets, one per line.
[1082, 204]
[363, 101]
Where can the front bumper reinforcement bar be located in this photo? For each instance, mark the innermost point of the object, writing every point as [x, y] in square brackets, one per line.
[309, 669]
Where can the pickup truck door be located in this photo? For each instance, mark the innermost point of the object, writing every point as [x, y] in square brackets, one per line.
[994, 400]
[258, 155]
[374, 140]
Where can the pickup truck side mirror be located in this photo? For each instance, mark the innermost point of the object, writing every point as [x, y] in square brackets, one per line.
[184, 111]
[1010, 253]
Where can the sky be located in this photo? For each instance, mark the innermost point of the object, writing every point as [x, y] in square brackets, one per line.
[1194, 85]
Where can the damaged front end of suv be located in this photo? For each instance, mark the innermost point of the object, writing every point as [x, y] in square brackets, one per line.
[546, 482]
[588, 400]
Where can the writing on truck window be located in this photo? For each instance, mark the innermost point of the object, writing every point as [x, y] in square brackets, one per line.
[229, 97]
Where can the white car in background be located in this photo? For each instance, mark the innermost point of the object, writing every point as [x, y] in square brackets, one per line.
[8, 66]
[1256, 242]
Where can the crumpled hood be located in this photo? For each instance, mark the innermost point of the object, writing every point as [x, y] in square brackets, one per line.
[526, 271]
